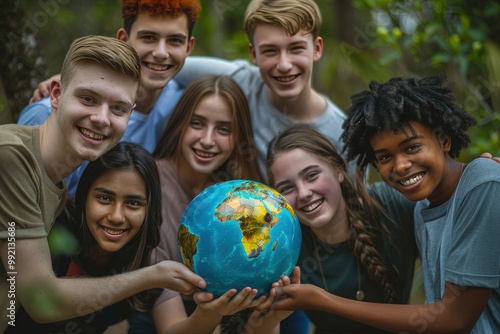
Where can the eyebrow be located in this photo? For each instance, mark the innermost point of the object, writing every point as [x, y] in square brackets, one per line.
[269, 45]
[151, 32]
[402, 143]
[112, 193]
[301, 173]
[205, 119]
[85, 90]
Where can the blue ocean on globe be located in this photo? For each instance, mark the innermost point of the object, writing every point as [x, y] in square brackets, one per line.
[239, 233]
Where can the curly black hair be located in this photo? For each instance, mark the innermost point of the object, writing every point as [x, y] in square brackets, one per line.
[392, 105]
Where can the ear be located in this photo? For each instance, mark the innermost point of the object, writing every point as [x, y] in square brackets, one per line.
[122, 35]
[190, 46]
[55, 93]
[340, 177]
[252, 53]
[318, 48]
[445, 141]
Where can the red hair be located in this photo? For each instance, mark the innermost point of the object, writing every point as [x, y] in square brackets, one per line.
[175, 8]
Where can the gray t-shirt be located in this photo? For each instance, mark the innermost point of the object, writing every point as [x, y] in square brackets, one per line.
[458, 240]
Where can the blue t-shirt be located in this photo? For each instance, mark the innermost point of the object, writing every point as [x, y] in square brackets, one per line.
[458, 240]
[142, 129]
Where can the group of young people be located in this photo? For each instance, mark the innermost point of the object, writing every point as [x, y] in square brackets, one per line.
[211, 120]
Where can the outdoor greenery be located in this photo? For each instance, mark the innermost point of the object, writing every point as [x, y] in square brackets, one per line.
[364, 40]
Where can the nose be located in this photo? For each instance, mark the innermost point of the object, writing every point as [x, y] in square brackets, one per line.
[101, 116]
[401, 164]
[207, 137]
[303, 191]
[160, 52]
[284, 63]
[116, 216]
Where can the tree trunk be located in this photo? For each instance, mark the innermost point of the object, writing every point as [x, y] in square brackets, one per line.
[21, 67]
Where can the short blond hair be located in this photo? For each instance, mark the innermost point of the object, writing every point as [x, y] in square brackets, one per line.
[291, 15]
[106, 51]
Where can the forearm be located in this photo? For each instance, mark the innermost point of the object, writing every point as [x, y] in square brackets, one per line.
[72, 297]
[195, 67]
[456, 312]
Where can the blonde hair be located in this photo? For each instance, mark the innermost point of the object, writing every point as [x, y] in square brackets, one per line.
[106, 51]
[291, 15]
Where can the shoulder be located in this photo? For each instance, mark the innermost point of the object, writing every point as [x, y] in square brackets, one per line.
[481, 170]
[14, 138]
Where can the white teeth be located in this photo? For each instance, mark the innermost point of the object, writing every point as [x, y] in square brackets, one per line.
[286, 79]
[204, 154]
[91, 134]
[412, 180]
[158, 67]
[312, 206]
[113, 232]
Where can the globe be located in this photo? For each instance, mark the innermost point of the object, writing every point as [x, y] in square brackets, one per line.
[239, 233]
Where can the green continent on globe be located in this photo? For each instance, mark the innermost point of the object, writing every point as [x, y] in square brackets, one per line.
[256, 216]
[187, 245]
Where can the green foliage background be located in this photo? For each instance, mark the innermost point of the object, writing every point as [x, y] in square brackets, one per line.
[364, 40]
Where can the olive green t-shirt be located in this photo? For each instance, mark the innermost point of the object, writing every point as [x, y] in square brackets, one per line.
[29, 202]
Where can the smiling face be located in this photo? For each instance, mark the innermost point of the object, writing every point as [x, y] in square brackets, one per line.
[417, 165]
[208, 141]
[313, 190]
[92, 111]
[162, 43]
[285, 62]
[116, 208]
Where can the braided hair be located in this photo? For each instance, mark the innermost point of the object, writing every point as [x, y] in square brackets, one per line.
[392, 105]
[363, 212]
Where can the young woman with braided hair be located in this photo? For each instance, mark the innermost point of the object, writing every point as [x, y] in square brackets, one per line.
[350, 245]
[410, 130]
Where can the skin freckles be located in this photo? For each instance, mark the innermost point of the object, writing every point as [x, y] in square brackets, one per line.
[92, 111]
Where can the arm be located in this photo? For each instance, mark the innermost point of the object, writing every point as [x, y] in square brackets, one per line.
[37, 286]
[195, 67]
[456, 312]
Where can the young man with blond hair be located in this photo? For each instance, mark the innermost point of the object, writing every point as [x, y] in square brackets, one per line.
[91, 106]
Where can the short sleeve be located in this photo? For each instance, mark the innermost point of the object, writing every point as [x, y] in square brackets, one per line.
[474, 254]
[20, 193]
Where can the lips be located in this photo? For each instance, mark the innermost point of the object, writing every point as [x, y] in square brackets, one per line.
[112, 231]
[286, 79]
[157, 67]
[204, 154]
[312, 206]
[90, 134]
[412, 180]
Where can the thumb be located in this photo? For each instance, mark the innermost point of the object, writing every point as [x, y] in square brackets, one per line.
[193, 278]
